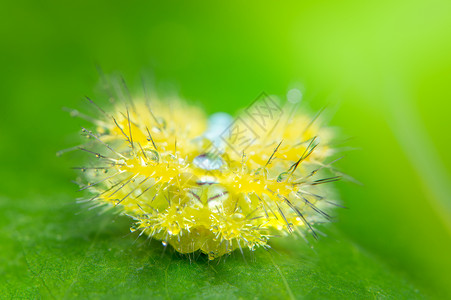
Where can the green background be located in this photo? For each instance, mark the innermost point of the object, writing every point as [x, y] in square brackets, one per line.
[382, 67]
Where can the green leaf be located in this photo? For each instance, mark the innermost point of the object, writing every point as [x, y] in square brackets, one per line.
[385, 64]
[53, 248]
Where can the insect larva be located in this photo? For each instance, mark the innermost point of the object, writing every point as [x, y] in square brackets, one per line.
[213, 185]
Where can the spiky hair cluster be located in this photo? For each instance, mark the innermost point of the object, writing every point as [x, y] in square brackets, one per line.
[196, 187]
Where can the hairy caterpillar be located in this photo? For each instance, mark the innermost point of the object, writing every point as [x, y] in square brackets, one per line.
[213, 185]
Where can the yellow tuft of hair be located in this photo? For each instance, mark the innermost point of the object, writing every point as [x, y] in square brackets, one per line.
[194, 192]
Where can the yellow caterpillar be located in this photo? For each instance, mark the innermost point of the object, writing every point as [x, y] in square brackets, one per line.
[212, 185]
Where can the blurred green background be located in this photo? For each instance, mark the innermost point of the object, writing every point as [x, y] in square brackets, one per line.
[382, 67]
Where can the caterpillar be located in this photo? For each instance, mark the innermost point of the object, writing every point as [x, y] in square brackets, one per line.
[211, 184]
